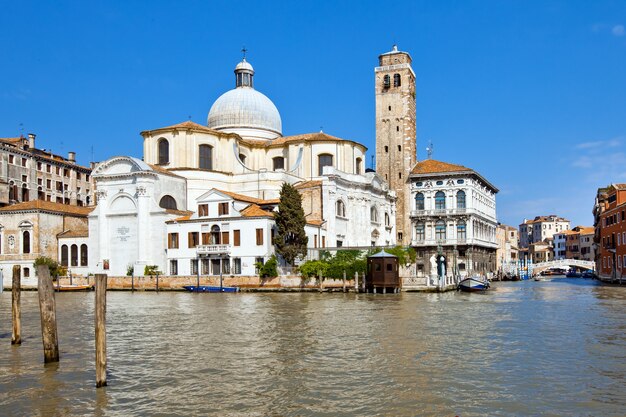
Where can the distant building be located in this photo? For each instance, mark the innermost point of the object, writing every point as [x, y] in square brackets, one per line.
[560, 245]
[540, 228]
[507, 253]
[541, 251]
[574, 243]
[610, 232]
[37, 228]
[28, 173]
[453, 214]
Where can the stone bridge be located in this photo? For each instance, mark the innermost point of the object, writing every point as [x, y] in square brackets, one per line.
[563, 264]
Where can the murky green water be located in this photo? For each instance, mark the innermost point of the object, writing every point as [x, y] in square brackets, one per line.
[526, 348]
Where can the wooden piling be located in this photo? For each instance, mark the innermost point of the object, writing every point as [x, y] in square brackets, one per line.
[356, 282]
[363, 282]
[320, 279]
[157, 282]
[101, 341]
[47, 309]
[16, 338]
[344, 281]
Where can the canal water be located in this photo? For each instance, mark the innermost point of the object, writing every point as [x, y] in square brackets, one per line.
[550, 348]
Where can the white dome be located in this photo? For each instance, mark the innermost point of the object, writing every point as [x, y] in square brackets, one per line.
[244, 108]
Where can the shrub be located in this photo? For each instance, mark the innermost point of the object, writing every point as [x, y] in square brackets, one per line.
[151, 270]
[269, 269]
[53, 266]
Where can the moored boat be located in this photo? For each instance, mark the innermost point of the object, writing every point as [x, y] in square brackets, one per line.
[475, 283]
[209, 288]
[74, 287]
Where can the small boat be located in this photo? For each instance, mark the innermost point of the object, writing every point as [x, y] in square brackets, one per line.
[573, 274]
[208, 288]
[475, 283]
[74, 287]
[539, 278]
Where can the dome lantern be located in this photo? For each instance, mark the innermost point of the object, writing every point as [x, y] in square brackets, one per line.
[244, 74]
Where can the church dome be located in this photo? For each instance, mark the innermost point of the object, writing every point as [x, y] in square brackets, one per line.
[244, 110]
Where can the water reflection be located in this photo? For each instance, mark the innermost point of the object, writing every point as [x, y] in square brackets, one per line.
[525, 348]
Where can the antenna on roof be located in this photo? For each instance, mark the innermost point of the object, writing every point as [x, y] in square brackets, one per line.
[429, 149]
[21, 130]
[321, 129]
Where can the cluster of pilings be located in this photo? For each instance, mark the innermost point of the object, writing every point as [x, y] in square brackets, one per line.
[47, 309]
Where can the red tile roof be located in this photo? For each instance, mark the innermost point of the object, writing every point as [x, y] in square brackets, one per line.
[429, 166]
[50, 207]
[255, 211]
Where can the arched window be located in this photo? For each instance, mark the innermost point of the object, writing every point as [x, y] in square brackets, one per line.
[440, 201]
[168, 202]
[387, 220]
[206, 157]
[324, 160]
[164, 151]
[374, 214]
[386, 81]
[83, 255]
[420, 231]
[278, 163]
[419, 201]
[74, 255]
[64, 255]
[242, 158]
[357, 168]
[26, 242]
[440, 230]
[396, 80]
[461, 233]
[215, 235]
[340, 209]
[460, 199]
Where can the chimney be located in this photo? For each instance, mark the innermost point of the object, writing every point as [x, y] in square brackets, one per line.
[31, 140]
[71, 156]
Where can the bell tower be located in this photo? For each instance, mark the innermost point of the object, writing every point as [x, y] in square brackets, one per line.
[396, 152]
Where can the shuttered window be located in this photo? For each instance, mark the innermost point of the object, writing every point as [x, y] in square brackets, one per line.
[225, 238]
[236, 237]
[192, 239]
[259, 237]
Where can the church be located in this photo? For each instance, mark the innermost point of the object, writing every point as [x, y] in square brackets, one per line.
[201, 200]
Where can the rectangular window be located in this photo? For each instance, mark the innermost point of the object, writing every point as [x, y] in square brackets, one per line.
[78, 176]
[24, 178]
[173, 267]
[23, 162]
[323, 241]
[48, 184]
[259, 237]
[205, 266]
[236, 266]
[222, 209]
[66, 173]
[39, 181]
[11, 159]
[206, 238]
[172, 240]
[258, 262]
[58, 170]
[203, 210]
[194, 267]
[193, 239]
[38, 166]
[48, 168]
[225, 238]
[237, 238]
[225, 266]
[315, 241]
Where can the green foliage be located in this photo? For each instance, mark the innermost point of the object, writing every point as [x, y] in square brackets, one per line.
[290, 239]
[405, 255]
[269, 269]
[151, 270]
[54, 267]
[350, 261]
[130, 269]
[311, 269]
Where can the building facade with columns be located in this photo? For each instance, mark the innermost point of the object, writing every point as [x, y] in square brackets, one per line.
[453, 220]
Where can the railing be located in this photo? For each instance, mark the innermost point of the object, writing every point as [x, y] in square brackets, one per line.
[439, 212]
[212, 249]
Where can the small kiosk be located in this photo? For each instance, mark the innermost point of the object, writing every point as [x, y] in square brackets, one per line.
[382, 273]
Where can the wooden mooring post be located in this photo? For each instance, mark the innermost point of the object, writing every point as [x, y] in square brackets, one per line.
[344, 281]
[101, 334]
[320, 278]
[16, 337]
[356, 282]
[47, 309]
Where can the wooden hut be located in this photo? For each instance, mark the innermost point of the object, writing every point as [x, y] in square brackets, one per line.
[382, 273]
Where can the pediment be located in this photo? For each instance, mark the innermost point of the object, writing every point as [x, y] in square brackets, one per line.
[120, 165]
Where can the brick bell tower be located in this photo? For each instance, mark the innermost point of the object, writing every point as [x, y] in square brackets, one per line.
[396, 151]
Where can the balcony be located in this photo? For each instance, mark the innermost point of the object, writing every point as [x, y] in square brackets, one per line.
[212, 249]
[440, 212]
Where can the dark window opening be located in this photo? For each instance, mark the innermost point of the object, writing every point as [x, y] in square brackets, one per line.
[206, 157]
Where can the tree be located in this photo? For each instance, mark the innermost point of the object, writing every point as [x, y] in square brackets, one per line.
[290, 239]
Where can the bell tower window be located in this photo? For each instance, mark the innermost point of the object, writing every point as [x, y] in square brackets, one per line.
[396, 80]
[386, 81]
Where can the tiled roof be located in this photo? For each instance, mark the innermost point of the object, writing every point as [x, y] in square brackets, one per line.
[11, 140]
[182, 219]
[255, 211]
[187, 125]
[429, 166]
[162, 170]
[247, 199]
[74, 233]
[180, 212]
[308, 184]
[315, 222]
[306, 137]
[49, 206]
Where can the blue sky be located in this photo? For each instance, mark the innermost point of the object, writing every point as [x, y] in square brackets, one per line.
[530, 94]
